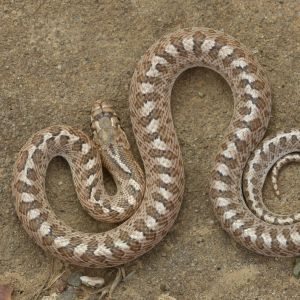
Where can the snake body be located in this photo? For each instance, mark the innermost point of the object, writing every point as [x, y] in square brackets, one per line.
[154, 209]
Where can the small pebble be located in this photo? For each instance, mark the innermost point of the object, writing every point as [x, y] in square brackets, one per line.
[60, 285]
[51, 297]
[201, 95]
[92, 281]
[74, 279]
[163, 287]
[69, 294]
[296, 270]
[165, 297]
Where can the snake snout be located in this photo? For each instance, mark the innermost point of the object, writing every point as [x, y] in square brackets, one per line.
[103, 110]
[104, 122]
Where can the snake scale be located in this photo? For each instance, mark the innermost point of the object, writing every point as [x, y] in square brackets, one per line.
[149, 208]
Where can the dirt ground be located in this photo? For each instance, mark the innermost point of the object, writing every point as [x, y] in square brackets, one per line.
[57, 57]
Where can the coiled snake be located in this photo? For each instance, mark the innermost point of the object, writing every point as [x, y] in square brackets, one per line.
[150, 209]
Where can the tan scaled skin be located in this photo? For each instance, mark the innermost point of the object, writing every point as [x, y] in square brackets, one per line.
[149, 104]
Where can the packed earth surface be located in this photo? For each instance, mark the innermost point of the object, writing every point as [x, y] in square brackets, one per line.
[58, 57]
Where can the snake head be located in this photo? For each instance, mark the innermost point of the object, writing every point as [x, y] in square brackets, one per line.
[106, 126]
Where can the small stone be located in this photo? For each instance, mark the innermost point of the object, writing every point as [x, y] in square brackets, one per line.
[165, 297]
[200, 240]
[201, 95]
[163, 287]
[51, 297]
[60, 285]
[74, 279]
[69, 294]
[92, 281]
[296, 270]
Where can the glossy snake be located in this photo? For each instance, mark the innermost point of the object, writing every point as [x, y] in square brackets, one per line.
[153, 210]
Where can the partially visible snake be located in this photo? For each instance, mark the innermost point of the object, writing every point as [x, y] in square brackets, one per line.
[154, 210]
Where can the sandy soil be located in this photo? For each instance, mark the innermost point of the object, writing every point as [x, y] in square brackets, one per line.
[57, 57]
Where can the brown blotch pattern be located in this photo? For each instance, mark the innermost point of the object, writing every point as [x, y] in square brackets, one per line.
[22, 161]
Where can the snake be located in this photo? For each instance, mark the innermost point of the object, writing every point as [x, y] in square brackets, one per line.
[147, 202]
